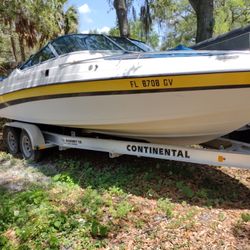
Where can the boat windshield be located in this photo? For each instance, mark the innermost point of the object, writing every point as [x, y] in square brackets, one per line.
[126, 44]
[79, 42]
[2, 78]
[42, 56]
[142, 45]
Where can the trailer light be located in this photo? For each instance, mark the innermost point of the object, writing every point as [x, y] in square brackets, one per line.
[221, 158]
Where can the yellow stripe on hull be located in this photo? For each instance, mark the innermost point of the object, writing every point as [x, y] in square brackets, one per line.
[134, 84]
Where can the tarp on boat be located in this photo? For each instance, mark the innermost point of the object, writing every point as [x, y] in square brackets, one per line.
[180, 47]
[238, 39]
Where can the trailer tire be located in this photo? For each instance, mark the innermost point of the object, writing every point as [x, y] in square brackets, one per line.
[26, 147]
[11, 140]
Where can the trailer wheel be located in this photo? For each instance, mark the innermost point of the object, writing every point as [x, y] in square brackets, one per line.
[11, 138]
[26, 148]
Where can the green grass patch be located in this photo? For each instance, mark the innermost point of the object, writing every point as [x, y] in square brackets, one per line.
[245, 217]
[61, 216]
[184, 189]
[186, 220]
[166, 206]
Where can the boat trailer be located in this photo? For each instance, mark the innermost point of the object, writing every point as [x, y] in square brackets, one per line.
[30, 140]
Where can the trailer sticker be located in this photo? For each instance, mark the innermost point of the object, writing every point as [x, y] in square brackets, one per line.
[159, 151]
[72, 141]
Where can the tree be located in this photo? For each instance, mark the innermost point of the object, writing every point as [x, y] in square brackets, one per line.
[122, 17]
[136, 32]
[231, 14]
[53, 20]
[176, 21]
[184, 15]
[205, 19]
[6, 51]
[133, 27]
[6, 17]
[30, 24]
[146, 19]
[25, 29]
[70, 20]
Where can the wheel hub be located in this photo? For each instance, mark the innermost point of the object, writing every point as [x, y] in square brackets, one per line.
[26, 146]
[11, 140]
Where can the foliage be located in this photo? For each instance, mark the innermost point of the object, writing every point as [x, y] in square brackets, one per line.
[231, 14]
[64, 178]
[245, 217]
[166, 206]
[29, 24]
[140, 27]
[94, 202]
[136, 32]
[70, 20]
[186, 190]
[41, 218]
[177, 19]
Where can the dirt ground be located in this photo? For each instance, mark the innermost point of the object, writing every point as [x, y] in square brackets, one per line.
[171, 205]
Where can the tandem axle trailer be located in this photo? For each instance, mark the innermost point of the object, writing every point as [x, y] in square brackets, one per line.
[30, 140]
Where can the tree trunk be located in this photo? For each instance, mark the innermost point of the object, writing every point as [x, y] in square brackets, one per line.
[21, 44]
[205, 19]
[12, 41]
[121, 13]
[13, 45]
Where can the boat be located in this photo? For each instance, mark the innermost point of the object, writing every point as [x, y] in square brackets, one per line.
[119, 87]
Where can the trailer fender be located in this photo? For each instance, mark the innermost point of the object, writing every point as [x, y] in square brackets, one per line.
[33, 131]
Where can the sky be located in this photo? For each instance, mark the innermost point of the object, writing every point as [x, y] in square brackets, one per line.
[94, 14]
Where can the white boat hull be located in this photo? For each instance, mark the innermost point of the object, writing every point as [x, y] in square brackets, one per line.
[183, 118]
[168, 98]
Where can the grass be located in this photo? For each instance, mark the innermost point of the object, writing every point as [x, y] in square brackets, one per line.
[185, 220]
[245, 217]
[166, 206]
[62, 216]
[93, 202]
[184, 189]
